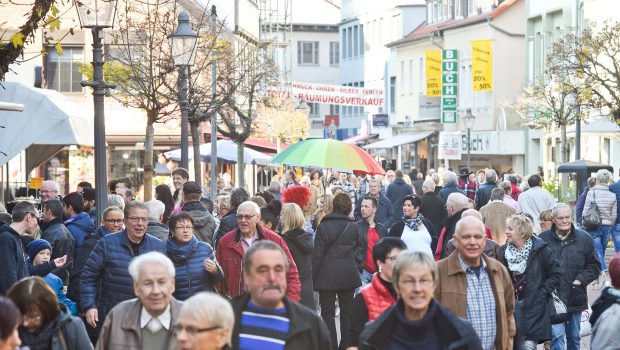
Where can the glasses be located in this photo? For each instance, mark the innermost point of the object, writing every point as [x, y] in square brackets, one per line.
[114, 222]
[35, 216]
[46, 191]
[241, 217]
[136, 219]
[31, 318]
[184, 228]
[410, 283]
[191, 330]
[391, 258]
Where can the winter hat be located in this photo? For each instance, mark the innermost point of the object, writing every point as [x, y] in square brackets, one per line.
[36, 246]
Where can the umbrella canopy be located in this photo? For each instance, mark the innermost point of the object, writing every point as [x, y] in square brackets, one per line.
[226, 152]
[329, 153]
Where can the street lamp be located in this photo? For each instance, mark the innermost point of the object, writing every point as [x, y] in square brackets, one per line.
[97, 15]
[468, 121]
[183, 41]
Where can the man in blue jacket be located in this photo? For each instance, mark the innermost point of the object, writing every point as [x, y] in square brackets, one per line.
[397, 191]
[78, 222]
[384, 210]
[105, 279]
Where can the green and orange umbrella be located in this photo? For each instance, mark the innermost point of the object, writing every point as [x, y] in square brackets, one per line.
[328, 154]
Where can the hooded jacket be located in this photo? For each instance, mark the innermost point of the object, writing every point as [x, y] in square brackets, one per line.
[608, 297]
[204, 224]
[158, 230]
[62, 243]
[80, 225]
[301, 244]
[70, 328]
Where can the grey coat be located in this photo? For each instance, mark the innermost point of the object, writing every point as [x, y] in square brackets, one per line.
[606, 202]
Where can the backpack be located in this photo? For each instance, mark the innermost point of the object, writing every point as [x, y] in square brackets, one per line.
[591, 218]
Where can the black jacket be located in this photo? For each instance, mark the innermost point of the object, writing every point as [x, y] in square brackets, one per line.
[363, 227]
[335, 262]
[307, 331]
[301, 244]
[384, 214]
[450, 225]
[606, 300]
[399, 226]
[455, 333]
[71, 328]
[227, 224]
[483, 194]
[81, 255]
[433, 208]
[12, 259]
[62, 243]
[542, 277]
[578, 261]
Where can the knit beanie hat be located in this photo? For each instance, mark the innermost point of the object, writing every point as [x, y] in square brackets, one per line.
[36, 246]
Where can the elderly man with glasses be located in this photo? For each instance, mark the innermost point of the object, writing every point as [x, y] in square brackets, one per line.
[105, 280]
[146, 322]
[231, 249]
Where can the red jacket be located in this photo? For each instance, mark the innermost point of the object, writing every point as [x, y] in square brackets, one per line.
[229, 255]
[377, 297]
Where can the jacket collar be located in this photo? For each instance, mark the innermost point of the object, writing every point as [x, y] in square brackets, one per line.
[571, 235]
[259, 232]
[131, 320]
[454, 267]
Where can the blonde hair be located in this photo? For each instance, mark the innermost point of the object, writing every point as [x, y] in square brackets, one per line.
[292, 217]
[523, 224]
[546, 215]
[328, 202]
[210, 308]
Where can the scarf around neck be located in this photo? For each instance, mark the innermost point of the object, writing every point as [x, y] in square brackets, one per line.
[517, 259]
[413, 223]
[180, 254]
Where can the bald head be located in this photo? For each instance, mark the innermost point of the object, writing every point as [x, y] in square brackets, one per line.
[472, 221]
[470, 240]
[472, 212]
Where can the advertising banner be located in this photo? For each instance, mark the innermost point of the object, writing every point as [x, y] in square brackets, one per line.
[380, 120]
[449, 88]
[482, 65]
[433, 73]
[338, 95]
[450, 145]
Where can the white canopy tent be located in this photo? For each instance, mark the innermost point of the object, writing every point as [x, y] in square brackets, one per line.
[49, 122]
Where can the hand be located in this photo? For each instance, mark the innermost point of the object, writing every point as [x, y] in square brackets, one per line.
[60, 262]
[577, 282]
[210, 266]
[92, 317]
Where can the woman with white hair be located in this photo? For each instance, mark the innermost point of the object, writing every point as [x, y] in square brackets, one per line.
[605, 201]
[205, 322]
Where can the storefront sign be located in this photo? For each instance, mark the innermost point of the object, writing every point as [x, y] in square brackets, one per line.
[482, 142]
[482, 65]
[338, 95]
[429, 107]
[36, 182]
[380, 120]
[450, 145]
[433, 73]
[449, 87]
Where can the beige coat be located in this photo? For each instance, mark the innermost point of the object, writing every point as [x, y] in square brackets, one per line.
[494, 215]
[451, 292]
[121, 328]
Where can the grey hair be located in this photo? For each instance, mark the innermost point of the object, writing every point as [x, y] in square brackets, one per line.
[491, 175]
[115, 200]
[110, 209]
[274, 186]
[251, 204]
[435, 178]
[458, 201]
[53, 183]
[429, 185]
[156, 209]
[209, 308]
[408, 259]
[150, 258]
[559, 206]
[506, 186]
[374, 181]
[603, 176]
[464, 220]
[497, 194]
[449, 177]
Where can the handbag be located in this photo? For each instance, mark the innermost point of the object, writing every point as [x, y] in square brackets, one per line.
[591, 218]
[558, 309]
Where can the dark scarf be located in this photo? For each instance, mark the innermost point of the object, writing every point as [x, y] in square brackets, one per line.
[414, 223]
[180, 254]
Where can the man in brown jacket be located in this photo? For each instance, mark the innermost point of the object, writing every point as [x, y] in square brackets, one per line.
[477, 288]
[495, 213]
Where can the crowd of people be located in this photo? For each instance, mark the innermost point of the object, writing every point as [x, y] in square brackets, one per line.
[401, 261]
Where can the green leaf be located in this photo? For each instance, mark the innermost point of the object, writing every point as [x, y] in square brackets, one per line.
[58, 48]
[17, 39]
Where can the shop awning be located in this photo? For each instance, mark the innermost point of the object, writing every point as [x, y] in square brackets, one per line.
[401, 139]
[354, 140]
[49, 118]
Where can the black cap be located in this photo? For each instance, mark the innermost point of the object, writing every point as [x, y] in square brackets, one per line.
[191, 187]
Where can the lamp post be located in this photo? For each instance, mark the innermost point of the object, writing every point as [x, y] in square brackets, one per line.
[183, 42]
[468, 121]
[213, 191]
[97, 15]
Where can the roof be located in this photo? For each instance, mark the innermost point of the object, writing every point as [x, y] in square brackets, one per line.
[423, 31]
[401, 139]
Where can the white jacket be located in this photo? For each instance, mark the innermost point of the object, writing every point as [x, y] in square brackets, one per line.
[606, 202]
[605, 335]
[535, 200]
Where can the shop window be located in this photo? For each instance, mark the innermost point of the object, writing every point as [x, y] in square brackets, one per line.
[63, 70]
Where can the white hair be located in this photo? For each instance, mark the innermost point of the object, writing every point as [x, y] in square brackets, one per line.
[603, 176]
[116, 201]
[148, 259]
[491, 175]
[458, 201]
[53, 183]
[156, 209]
[251, 204]
[429, 185]
[449, 177]
[209, 308]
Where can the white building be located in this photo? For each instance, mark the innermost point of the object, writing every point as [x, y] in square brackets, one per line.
[366, 28]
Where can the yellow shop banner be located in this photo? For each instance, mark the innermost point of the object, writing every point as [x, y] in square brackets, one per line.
[482, 65]
[433, 73]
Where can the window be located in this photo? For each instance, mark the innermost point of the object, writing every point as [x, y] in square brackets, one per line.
[334, 53]
[421, 77]
[402, 77]
[393, 94]
[349, 43]
[410, 76]
[314, 109]
[355, 42]
[345, 54]
[362, 43]
[63, 71]
[334, 109]
[308, 52]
